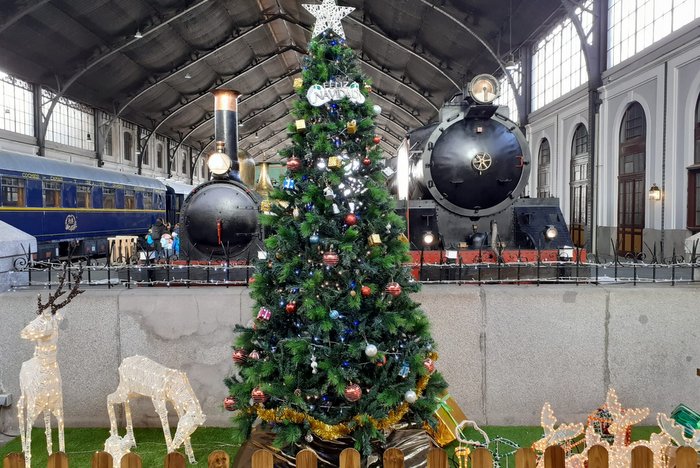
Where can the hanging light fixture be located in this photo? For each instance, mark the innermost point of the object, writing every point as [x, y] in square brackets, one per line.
[138, 34]
[188, 76]
[510, 64]
[654, 192]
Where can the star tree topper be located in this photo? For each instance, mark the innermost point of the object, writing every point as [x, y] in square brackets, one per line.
[328, 15]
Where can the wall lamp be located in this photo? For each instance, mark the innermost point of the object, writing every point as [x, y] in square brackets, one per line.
[428, 238]
[654, 192]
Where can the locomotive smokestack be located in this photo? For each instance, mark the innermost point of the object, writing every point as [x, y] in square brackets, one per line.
[226, 125]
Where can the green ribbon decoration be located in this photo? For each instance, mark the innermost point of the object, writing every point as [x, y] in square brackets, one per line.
[442, 404]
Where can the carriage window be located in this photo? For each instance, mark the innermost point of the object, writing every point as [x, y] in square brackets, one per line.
[108, 198]
[148, 200]
[52, 194]
[13, 192]
[84, 193]
[129, 200]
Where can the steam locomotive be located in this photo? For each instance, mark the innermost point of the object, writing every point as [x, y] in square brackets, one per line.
[460, 184]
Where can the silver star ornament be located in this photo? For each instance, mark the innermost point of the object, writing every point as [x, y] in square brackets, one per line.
[328, 15]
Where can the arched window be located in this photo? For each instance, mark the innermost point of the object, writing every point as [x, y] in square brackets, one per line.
[108, 143]
[631, 192]
[544, 160]
[128, 146]
[694, 178]
[159, 156]
[579, 184]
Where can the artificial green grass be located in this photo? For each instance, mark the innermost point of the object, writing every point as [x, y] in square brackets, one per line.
[81, 444]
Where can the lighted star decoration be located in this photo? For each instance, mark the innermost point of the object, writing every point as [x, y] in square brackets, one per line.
[328, 16]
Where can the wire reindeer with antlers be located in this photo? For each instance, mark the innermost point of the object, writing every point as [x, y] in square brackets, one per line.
[40, 378]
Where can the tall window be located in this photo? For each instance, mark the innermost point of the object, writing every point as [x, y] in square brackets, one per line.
[51, 194]
[184, 162]
[16, 105]
[631, 191]
[634, 25]
[579, 184]
[12, 192]
[694, 178]
[507, 97]
[108, 143]
[159, 156]
[71, 122]
[558, 64]
[544, 163]
[128, 146]
[144, 156]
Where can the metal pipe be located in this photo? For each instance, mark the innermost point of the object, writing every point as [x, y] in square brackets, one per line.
[226, 125]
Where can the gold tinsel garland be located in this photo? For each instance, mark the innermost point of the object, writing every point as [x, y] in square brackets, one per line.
[336, 431]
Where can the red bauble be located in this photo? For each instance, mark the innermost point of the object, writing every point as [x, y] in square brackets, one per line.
[251, 280]
[429, 364]
[350, 219]
[239, 356]
[353, 392]
[230, 403]
[366, 291]
[393, 288]
[330, 259]
[376, 139]
[258, 395]
[291, 307]
[381, 361]
[366, 161]
[254, 355]
[294, 164]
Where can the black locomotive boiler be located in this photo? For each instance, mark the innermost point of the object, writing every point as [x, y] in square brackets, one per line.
[465, 177]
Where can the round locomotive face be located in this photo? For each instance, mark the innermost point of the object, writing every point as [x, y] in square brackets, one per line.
[220, 213]
[477, 166]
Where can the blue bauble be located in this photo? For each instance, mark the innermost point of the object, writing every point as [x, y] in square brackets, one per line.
[314, 239]
[334, 314]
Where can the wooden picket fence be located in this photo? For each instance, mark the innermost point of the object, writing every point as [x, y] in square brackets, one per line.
[554, 457]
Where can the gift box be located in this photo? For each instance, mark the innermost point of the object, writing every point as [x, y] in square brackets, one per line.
[374, 240]
[352, 127]
[449, 416]
[289, 184]
[334, 162]
[301, 125]
[298, 83]
[686, 417]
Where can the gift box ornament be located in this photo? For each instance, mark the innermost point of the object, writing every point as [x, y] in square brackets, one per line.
[352, 127]
[265, 206]
[301, 125]
[334, 162]
[402, 237]
[449, 416]
[374, 240]
[686, 417]
[289, 184]
[298, 83]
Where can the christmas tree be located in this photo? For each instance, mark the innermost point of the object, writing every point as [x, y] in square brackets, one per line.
[336, 347]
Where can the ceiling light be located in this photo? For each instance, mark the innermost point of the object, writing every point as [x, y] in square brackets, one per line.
[510, 64]
[188, 76]
[138, 34]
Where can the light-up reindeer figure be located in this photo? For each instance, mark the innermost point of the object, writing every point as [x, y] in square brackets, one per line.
[40, 378]
[139, 375]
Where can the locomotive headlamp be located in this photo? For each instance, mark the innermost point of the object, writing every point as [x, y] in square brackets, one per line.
[219, 163]
[484, 89]
[428, 238]
[551, 233]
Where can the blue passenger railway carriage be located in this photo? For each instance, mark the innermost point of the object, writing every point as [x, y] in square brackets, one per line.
[74, 208]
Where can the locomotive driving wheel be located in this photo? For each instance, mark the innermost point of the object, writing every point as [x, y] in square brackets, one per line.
[481, 162]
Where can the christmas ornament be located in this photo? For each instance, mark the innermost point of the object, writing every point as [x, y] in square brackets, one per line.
[296, 213]
[266, 206]
[298, 83]
[239, 356]
[328, 16]
[330, 259]
[351, 219]
[318, 94]
[370, 350]
[289, 184]
[376, 109]
[293, 164]
[429, 365]
[328, 193]
[366, 161]
[334, 162]
[291, 307]
[321, 163]
[309, 437]
[410, 397]
[366, 291]
[393, 289]
[258, 395]
[264, 313]
[374, 240]
[336, 210]
[353, 293]
[301, 125]
[314, 364]
[353, 392]
[368, 88]
[314, 239]
[388, 172]
[254, 355]
[230, 403]
[352, 127]
[405, 370]
[334, 314]
[402, 237]
[381, 361]
[376, 139]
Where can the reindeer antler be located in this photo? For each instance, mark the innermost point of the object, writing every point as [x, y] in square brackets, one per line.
[74, 291]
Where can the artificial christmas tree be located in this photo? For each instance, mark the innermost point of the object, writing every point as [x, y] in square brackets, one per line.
[342, 351]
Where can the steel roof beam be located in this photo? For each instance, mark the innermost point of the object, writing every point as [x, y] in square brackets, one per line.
[22, 13]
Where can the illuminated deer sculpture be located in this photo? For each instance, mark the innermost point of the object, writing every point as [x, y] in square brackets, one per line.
[39, 377]
[139, 375]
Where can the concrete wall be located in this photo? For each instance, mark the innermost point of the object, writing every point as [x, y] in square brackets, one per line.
[505, 350]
